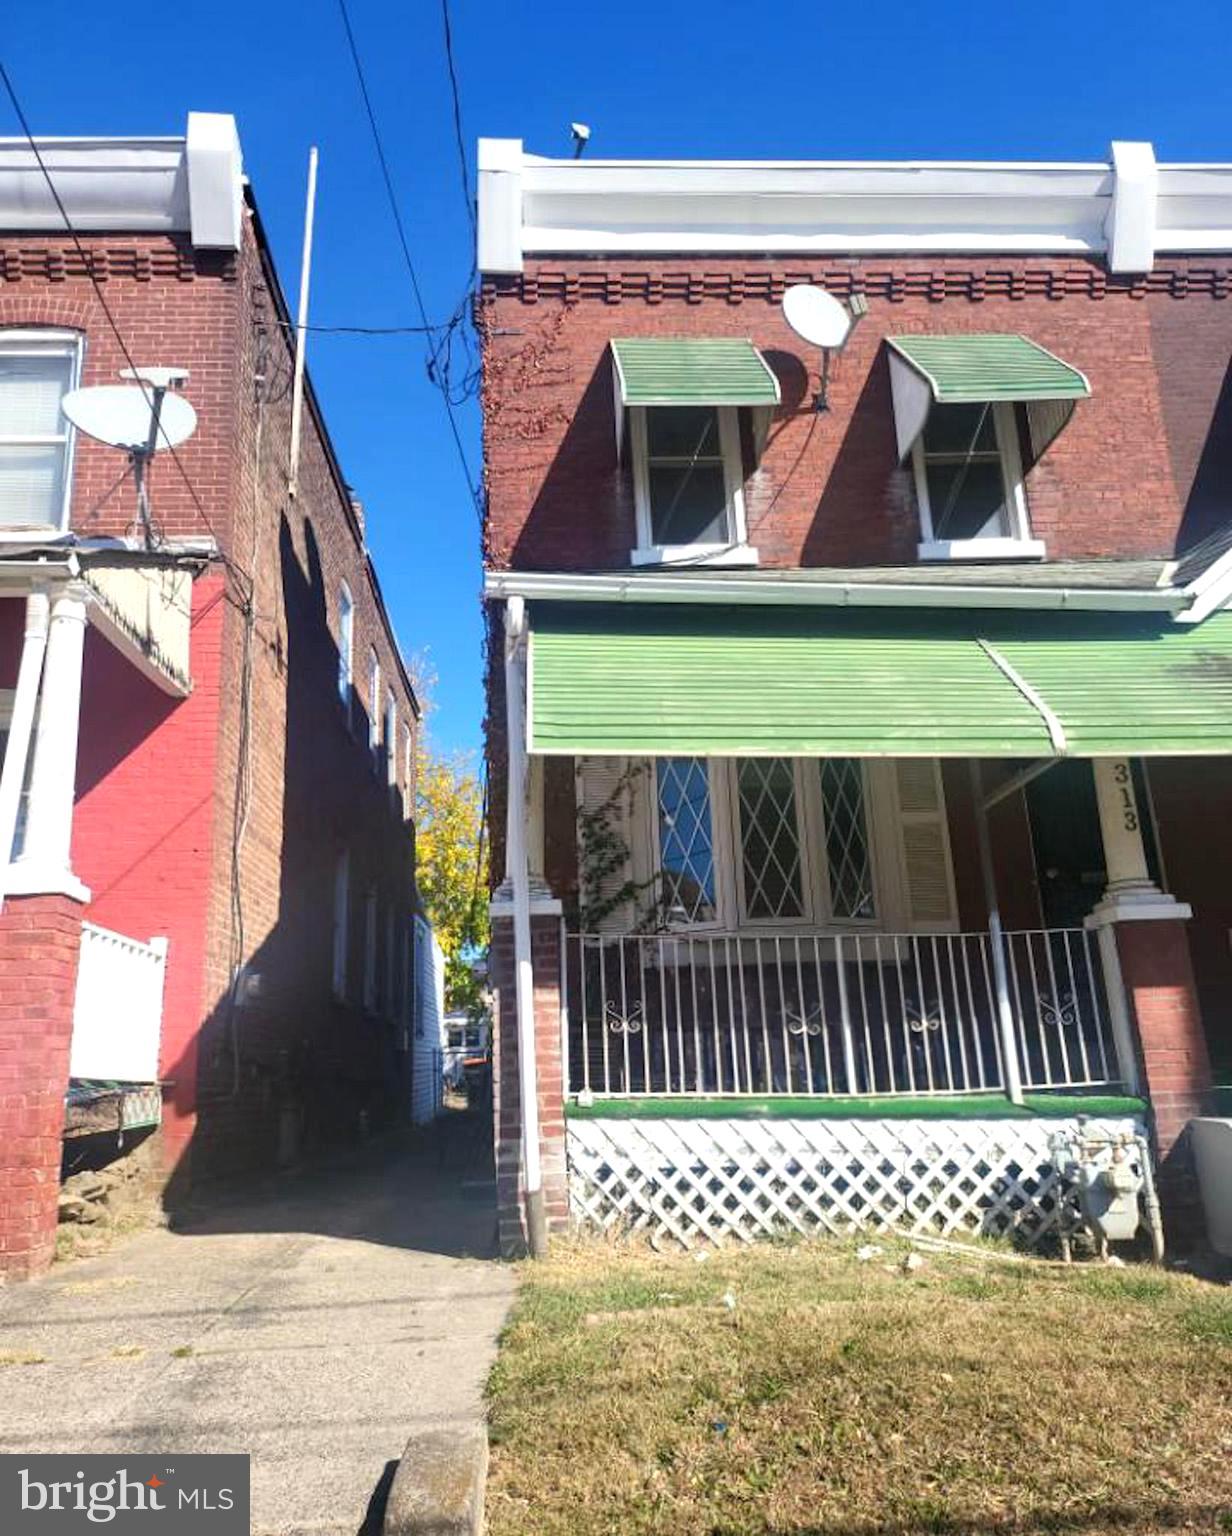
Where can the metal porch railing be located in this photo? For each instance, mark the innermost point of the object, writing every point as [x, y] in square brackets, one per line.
[839, 1014]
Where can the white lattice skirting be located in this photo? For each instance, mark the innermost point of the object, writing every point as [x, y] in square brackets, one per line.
[709, 1180]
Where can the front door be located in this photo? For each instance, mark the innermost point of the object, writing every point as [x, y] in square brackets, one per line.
[1069, 847]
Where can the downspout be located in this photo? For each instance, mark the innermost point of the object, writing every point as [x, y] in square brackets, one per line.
[517, 868]
[996, 941]
[21, 726]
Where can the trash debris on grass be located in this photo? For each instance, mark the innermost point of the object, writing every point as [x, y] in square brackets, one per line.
[912, 1262]
[869, 1251]
[728, 1300]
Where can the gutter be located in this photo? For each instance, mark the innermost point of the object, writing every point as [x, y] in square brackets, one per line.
[787, 592]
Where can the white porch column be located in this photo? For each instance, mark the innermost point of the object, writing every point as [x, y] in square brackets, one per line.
[1130, 894]
[21, 726]
[44, 865]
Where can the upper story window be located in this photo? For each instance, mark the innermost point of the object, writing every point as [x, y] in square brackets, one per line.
[374, 705]
[691, 405]
[968, 477]
[391, 738]
[967, 409]
[687, 481]
[37, 369]
[346, 644]
[342, 922]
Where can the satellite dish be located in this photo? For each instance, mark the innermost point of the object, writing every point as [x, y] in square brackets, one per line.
[816, 315]
[124, 416]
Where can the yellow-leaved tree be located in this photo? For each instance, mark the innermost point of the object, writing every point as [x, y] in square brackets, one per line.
[451, 855]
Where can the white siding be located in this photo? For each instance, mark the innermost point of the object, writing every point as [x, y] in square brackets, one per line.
[428, 1043]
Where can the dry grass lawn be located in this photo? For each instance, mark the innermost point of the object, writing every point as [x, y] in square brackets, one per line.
[837, 1396]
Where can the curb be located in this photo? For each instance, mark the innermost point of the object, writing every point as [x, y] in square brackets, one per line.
[439, 1485]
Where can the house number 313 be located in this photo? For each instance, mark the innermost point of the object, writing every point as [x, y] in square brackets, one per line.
[1125, 788]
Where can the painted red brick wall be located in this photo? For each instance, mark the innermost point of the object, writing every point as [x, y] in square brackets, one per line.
[39, 941]
[1134, 474]
[143, 828]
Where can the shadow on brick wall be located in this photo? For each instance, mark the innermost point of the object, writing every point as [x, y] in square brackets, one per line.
[286, 1071]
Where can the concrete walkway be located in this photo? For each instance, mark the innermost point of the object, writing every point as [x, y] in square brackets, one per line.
[315, 1329]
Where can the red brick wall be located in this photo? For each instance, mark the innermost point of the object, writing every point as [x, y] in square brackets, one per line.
[546, 959]
[143, 828]
[292, 1049]
[828, 490]
[158, 780]
[1192, 801]
[39, 941]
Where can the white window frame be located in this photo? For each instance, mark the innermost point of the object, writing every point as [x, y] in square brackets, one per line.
[408, 768]
[36, 342]
[346, 649]
[1018, 544]
[342, 923]
[731, 905]
[733, 551]
[374, 704]
[370, 938]
[391, 965]
[390, 731]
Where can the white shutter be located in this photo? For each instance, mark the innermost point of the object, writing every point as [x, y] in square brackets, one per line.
[611, 796]
[924, 843]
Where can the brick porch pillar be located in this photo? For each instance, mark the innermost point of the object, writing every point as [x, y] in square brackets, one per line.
[40, 937]
[1151, 954]
[546, 961]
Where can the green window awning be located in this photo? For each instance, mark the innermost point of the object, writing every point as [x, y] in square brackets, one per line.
[697, 680]
[977, 370]
[692, 370]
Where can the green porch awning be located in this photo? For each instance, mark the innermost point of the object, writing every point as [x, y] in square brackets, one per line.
[693, 370]
[698, 680]
[981, 369]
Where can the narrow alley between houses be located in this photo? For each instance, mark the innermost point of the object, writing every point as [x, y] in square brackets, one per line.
[315, 1328]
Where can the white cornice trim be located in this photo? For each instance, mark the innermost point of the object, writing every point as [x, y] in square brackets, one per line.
[784, 591]
[188, 185]
[1127, 208]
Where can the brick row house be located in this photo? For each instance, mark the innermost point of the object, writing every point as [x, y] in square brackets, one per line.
[208, 729]
[859, 713]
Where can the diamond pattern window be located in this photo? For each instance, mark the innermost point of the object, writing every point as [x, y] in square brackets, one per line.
[770, 844]
[845, 810]
[686, 841]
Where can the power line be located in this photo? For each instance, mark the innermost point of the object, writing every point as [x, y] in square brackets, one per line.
[457, 127]
[435, 352]
[88, 264]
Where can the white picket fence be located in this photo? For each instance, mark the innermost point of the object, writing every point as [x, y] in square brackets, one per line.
[689, 1181]
[118, 1008]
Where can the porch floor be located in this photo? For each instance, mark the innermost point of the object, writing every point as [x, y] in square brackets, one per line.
[967, 1106]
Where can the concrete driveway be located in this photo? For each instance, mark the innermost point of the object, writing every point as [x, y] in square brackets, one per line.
[315, 1329]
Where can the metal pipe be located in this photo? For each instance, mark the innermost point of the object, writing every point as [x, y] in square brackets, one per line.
[518, 872]
[301, 324]
[21, 725]
[996, 937]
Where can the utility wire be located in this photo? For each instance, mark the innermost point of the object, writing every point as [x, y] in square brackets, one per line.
[111, 320]
[406, 252]
[457, 128]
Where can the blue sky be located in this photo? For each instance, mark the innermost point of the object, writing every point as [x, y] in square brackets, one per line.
[652, 77]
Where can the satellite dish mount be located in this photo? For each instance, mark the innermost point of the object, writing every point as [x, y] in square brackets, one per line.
[818, 317]
[142, 419]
